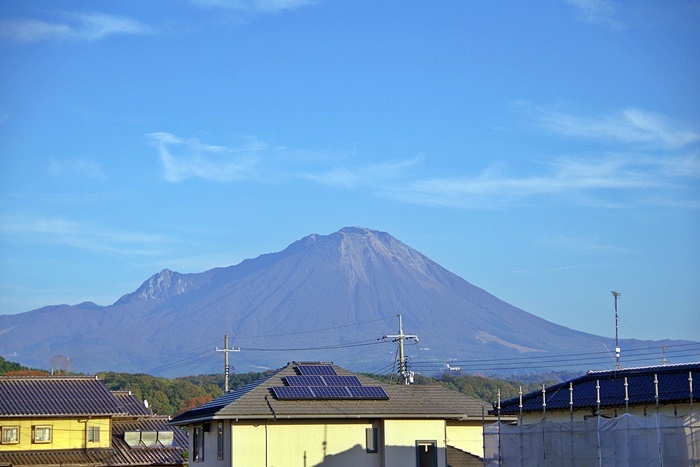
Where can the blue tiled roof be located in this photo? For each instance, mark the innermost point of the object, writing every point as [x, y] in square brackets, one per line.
[673, 387]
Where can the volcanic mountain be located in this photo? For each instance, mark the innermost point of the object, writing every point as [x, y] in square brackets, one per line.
[325, 297]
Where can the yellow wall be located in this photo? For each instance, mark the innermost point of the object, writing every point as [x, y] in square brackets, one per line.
[291, 444]
[65, 433]
[400, 438]
[467, 436]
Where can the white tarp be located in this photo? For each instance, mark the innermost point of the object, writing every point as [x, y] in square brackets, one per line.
[625, 441]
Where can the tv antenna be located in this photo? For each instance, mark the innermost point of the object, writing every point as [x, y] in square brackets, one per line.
[617, 342]
[406, 375]
[226, 350]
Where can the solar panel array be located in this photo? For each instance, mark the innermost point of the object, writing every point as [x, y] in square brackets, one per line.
[328, 380]
[322, 382]
[316, 369]
[329, 392]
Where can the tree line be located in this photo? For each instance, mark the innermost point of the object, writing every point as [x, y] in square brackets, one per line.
[171, 396]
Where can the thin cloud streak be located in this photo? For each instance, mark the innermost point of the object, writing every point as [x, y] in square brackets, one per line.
[596, 11]
[76, 166]
[262, 6]
[565, 176]
[60, 231]
[77, 27]
[629, 126]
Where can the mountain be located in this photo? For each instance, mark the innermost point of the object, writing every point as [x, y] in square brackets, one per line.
[324, 297]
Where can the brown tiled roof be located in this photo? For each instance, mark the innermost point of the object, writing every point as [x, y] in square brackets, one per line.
[74, 457]
[257, 400]
[156, 455]
[55, 395]
[458, 458]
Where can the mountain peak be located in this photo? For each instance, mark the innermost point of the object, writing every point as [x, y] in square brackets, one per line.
[159, 286]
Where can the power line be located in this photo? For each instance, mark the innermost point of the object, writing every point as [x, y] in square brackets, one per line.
[315, 330]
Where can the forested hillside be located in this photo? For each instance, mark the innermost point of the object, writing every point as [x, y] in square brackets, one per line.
[170, 396]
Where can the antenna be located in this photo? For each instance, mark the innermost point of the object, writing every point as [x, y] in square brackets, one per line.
[403, 365]
[617, 342]
[226, 350]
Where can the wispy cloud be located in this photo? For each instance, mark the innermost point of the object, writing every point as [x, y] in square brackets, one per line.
[187, 158]
[596, 11]
[628, 126]
[73, 26]
[262, 6]
[76, 166]
[83, 236]
[566, 176]
[613, 178]
[366, 175]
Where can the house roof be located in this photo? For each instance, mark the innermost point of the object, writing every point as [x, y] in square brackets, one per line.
[257, 400]
[673, 387]
[130, 404]
[67, 458]
[56, 395]
[458, 458]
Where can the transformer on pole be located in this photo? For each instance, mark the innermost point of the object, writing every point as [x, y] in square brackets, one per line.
[406, 375]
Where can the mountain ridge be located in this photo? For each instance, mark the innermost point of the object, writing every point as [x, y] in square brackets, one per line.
[349, 284]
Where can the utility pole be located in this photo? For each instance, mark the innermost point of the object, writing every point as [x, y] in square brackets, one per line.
[617, 342]
[403, 366]
[226, 350]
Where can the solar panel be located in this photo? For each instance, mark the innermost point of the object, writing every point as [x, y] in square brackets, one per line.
[342, 380]
[316, 370]
[330, 392]
[293, 392]
[313, 380]
[368, 392]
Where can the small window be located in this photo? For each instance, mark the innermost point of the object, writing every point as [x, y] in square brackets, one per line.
[198, 444]
[371, 440]
[10, 435]
[220, 440]
[93, 434]
[41, 434]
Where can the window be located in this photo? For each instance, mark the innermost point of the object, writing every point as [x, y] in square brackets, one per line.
[93, 434]
[10, 434]
[41, 434]
[198, 444]
[372, 440]
[219, 440]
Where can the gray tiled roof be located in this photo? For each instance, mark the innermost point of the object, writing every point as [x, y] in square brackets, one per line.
[130, 404]
[257, 401]
[56, 395]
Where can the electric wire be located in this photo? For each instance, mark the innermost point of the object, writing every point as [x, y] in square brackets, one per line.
[315, 330]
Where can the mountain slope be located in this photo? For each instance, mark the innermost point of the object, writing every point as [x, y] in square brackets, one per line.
[348, 286]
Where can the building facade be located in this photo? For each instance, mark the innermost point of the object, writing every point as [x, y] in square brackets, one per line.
[317, 414]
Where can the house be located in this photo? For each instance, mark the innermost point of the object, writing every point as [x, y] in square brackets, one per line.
[77, 421]
[143, 439]
[631, 416]
[318, 414]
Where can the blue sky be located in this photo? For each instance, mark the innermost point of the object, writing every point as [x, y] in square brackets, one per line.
[546, 151]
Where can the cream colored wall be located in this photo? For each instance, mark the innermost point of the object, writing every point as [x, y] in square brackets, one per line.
[302, 444]
[400, 438]
[65, 433]
[467, 436]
